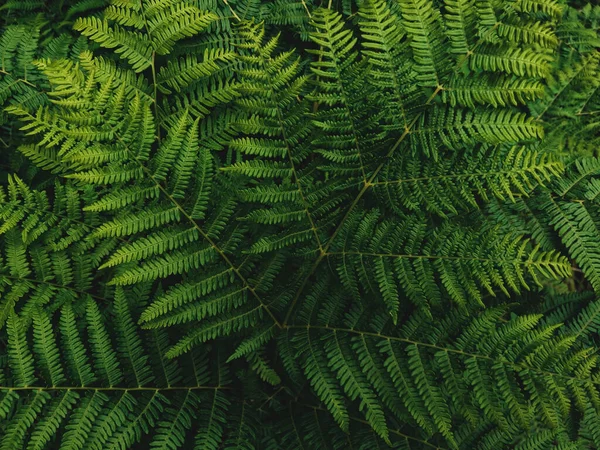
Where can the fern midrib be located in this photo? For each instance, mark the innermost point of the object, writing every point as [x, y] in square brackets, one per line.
[368, 404]
[239, 440]
[101, 427]
[159, 353]
[321, 433]
[500, 359]
[70, 342]
[46, 342]
[232, 11]
[77, 430]
[543, 34]
[575, 182]
[293, 416]
[181, 315]
[131, 358]
[180, 411]
[211, 415]
[130, 424]
[58, 286]
[473, 124]
[114, 388]
[18, 80]
[473, 88]
[434, 257]
[486, 175]
[580, 112]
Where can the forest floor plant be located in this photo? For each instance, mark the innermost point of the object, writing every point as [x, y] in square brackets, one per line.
[343, 224]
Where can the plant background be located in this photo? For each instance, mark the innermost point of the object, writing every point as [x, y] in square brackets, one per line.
[299, 224]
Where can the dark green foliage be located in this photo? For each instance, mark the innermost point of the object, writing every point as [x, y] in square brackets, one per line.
[280, 224]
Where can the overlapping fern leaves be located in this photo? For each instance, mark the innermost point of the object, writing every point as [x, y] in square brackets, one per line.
[222, 236]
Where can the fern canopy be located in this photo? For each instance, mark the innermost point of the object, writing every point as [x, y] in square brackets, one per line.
[276, 224]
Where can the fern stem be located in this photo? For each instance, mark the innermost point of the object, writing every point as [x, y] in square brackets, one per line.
[19, 80]
[407, 256]
[112, 389]
[590, 113]
[232, 11]
[58, 286]
[306, 8]
[155, 84]
[270, 397]
[460, 176]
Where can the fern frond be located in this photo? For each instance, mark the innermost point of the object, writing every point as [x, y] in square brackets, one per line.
[245, 224]
[493, 264]
[445, 186]
[457, 127]
[92, 415]
[491, 90]
[423, 24]
[410, 360]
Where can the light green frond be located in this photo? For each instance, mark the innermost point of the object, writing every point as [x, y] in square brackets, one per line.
[492, 90]
[134, 47]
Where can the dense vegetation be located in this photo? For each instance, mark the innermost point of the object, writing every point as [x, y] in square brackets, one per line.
[348, 224]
